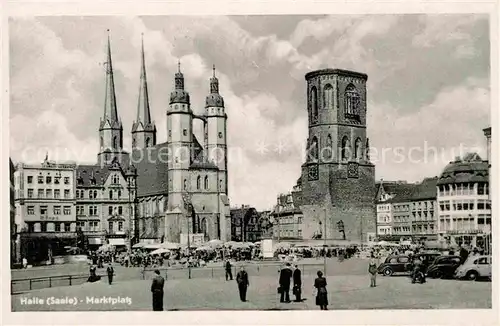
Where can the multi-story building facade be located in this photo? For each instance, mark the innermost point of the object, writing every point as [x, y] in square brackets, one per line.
[14, 250]
[424, 210]
[245, 224]
[464, 208]
[288, 220]
[393, 210]
[45, 209]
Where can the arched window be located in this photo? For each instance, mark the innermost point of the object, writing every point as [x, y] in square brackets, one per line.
[313, 150]
[314, 104]
[95, 193]
[345, 148]
[328, 148]
[206, 182]
[357, 149]
[115, 145]
[185, 184]
[328, 96]
[204, 228]
[102, 142]
[147, 142]
[352, 100]
[198, 182]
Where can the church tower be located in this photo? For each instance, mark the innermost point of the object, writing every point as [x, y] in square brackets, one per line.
[110, 127]
[179, 144]
[143, 129]
[338, 178]
[217, 132]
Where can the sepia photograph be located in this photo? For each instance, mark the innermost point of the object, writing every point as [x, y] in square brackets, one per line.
[250, 162]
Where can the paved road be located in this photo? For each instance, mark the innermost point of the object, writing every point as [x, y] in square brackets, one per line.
[345, 292]
[309, 267]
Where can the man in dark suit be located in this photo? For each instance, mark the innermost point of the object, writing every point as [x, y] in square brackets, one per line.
[229, 274]
[157, 290]
[297, 284]
[243, 283]
[285, 278]
[110, 272]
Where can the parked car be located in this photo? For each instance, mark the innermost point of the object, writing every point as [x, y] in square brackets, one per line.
[427, 258]
[444, 267]
[394, 264]
[475, 267]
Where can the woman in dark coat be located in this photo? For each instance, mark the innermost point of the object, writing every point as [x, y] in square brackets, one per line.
[321, 293]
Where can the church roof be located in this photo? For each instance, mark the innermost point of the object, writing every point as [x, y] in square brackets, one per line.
[110, 111]
[152, 170]
[85, 174]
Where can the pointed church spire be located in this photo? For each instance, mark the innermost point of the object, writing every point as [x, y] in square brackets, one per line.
[143, 111]
[110, 111]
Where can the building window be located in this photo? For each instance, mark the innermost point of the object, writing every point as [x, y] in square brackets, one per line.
[56, 180]
[95, 193]
[67, 210]
[120, 210]
[48, 193]
[147, 142]
[30, 179]
[31, 210]
[345, 148]
[328, 96]
[185, 132]
[57, 193]
[67, 227]
[119, 194]
[57, 210]
[80, 210]
[48, 180]
[40, 179]
[198, 182]
[40, 193]
[66, 180]
[110, 210]
[111, 194]
[92, 210]
[352, 101]
[206, 182]
[314, 104]
[91, 194]
[120, 226]
[357, 149]
[66, 193]
[220, 134]
[57, 227]
[43, 210]
[110, 227]
[115, 180]
[30, 193]
[185, 184]
[329, 147]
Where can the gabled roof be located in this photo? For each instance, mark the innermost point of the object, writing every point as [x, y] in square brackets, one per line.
[86, 173]
[399, 192]
[152, 170]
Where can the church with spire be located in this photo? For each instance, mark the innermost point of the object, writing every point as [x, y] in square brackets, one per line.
[161, 191]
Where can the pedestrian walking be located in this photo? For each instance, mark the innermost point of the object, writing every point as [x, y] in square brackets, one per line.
[372, 270]
[243, 283]
[297, 284]
[321, 293]
[229, 273]
[157, 290]
[284, 282]
[110, 272]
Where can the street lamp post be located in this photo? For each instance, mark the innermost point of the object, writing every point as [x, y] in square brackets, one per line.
[324, 243]
[189, 214]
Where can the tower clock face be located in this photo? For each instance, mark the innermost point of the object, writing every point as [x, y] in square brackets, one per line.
[352, 170]
[313, 172]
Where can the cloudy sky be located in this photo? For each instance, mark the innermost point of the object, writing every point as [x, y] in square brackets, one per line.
[428, 86]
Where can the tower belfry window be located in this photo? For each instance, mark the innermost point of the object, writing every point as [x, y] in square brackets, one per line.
[198, 182]
[328, 96]
[357, 149]
[314, 104]
[352, 101]
[115, 145]
[147, 141]
[345, 148]
[329, 147]
[313, 150]
[206, 182]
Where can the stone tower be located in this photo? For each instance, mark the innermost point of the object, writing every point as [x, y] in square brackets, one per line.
[110, 126]
[179, 144]
[143, 129]
[217, 132]
[338, 179]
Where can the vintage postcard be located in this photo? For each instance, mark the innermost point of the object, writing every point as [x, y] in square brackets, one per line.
[286, 162]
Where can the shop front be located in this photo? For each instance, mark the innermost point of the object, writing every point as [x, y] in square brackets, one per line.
[39, 248]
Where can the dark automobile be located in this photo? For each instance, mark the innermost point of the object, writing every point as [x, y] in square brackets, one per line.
[404, 264]
[444, 267]
[394, 264]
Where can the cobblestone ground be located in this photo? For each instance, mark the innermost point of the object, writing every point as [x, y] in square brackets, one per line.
[345, 292]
